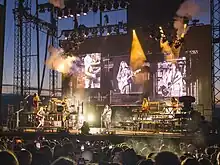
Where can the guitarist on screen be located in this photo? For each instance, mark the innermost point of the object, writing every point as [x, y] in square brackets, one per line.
[125, 77]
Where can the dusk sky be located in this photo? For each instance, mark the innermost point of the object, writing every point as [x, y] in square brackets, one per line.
[92, 19]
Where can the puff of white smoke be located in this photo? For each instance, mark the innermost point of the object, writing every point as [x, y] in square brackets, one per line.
[187, 10]
[180, 27]
[58, 3]
[57, 62]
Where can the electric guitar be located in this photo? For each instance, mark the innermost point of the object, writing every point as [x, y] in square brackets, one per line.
[124, 81]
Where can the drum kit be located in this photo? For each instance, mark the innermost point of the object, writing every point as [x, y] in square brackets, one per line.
[60, 113]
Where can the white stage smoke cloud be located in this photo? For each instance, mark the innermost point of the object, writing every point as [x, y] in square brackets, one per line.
[59, 63]
[187, 10]
[58, 3]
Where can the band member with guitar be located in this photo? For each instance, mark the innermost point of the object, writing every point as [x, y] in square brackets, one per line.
[41, 114]
[175, 104]
[66, 112]
[36, 101]
[124, 77]
[92, 70]
[173, 82]
[145, 104]
[106, 117]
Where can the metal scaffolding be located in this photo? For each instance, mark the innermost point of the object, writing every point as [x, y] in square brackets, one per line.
[22, 45]
[215, 22]
[53, 75]
[22, 48]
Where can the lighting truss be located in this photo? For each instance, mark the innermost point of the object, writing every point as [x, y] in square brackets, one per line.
[73, 38]
[215, 22]
[44, 26]
[82, 7]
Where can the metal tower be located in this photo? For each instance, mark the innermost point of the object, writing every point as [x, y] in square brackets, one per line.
[215, 22]
[22, 48]
[53, 75]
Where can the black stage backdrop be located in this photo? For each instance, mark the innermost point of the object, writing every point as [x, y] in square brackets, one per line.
[198, 38]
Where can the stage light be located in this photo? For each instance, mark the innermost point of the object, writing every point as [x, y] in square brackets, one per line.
[90, 118]
[116, 5]
[66, 13]
[85, 10]
[95, 7]
[66, 35]
[108, 6]
[101, 7]
[78, 12]
[70, 13]
[60, 14]
[109, 30]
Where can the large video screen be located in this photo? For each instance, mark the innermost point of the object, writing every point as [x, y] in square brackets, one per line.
[90, 76]
[123, 76]
[171, 78]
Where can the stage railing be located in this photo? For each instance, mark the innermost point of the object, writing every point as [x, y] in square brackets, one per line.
[21, 120]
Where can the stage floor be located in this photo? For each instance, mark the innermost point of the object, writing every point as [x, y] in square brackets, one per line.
[114, 135]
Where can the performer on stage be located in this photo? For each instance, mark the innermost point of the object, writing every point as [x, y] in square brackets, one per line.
[172, 81]
[91, 62]
[36, 101]
[66, 112]
[41, 114]
[174, 103]
[106, 117]
[124, 78]
[145, 104]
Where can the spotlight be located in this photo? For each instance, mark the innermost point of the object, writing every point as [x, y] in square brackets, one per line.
[71, 13]
[85, 10]
[60, 14]
[78, 12]
[90, 118]
[66, 34]
[86, 32]
[116, 5]
[109, 30]
[95, 7]
[66, 13]
[109, 6]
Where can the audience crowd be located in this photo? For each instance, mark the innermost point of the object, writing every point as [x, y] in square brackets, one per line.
[16, 151]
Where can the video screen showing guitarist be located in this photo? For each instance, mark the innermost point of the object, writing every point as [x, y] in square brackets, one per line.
[125, 77]
[172, 81]
[92, 63]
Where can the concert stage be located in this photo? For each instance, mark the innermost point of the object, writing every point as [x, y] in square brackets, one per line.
[115, 136]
